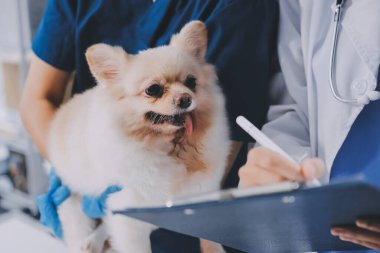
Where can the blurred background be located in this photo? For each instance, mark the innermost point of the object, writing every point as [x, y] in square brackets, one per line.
[22, 173]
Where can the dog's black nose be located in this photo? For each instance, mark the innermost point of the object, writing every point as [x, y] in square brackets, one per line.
[183, 101]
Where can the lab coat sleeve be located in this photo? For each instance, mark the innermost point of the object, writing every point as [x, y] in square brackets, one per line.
[288, 123]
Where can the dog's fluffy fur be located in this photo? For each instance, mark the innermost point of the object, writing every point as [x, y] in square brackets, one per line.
[119, 134]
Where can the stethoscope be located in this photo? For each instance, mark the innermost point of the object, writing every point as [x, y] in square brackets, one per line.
[366, 98]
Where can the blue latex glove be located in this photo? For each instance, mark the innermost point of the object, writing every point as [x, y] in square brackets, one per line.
[94, 207]
[48, 203]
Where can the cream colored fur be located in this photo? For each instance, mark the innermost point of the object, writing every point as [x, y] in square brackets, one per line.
[95, 139]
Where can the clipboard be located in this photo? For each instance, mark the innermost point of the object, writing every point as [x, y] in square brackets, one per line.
[293, 221]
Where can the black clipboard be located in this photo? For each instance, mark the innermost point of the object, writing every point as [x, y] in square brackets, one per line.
[292, 221]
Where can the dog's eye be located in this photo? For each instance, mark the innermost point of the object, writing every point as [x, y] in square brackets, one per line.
[191, 82]
[154, 90]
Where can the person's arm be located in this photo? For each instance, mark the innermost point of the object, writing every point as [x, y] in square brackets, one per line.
[288, 119]
[288, 127]
[44, 91]
[54, 49]
[288, 122]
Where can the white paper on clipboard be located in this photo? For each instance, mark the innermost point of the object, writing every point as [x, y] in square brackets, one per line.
[233, 193]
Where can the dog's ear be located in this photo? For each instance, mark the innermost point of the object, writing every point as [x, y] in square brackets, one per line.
[106, 63]
[192, 38]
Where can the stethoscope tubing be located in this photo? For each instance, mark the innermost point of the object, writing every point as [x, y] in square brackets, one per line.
[363, 100]
[333, 87]
[332, 76]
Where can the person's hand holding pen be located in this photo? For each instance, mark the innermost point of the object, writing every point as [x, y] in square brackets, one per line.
[266, 166]
[271, 164]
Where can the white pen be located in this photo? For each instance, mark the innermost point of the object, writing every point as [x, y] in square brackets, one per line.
[266, 142]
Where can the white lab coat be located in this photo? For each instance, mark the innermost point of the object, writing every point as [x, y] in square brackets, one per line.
[309, 121]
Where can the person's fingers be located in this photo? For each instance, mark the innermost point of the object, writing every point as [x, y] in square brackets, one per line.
[362, 243]
[312, 168]
[275, 163]
[368, 245]
[372, 224]
[357, 234]
[255, 176]
[60, 195]
[265, 166]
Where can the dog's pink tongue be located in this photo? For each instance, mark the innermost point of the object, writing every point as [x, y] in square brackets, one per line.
[188, 125]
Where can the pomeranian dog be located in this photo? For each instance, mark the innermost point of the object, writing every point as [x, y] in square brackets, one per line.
[154, 125]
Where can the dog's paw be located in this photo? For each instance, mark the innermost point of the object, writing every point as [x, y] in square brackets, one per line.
[211, 247]
[110, 251]
[92, 246]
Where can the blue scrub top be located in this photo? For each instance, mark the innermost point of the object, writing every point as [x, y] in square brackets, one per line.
[242, 41]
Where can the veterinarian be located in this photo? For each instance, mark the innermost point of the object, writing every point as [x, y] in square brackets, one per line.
[331, 109]
[242, 37]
